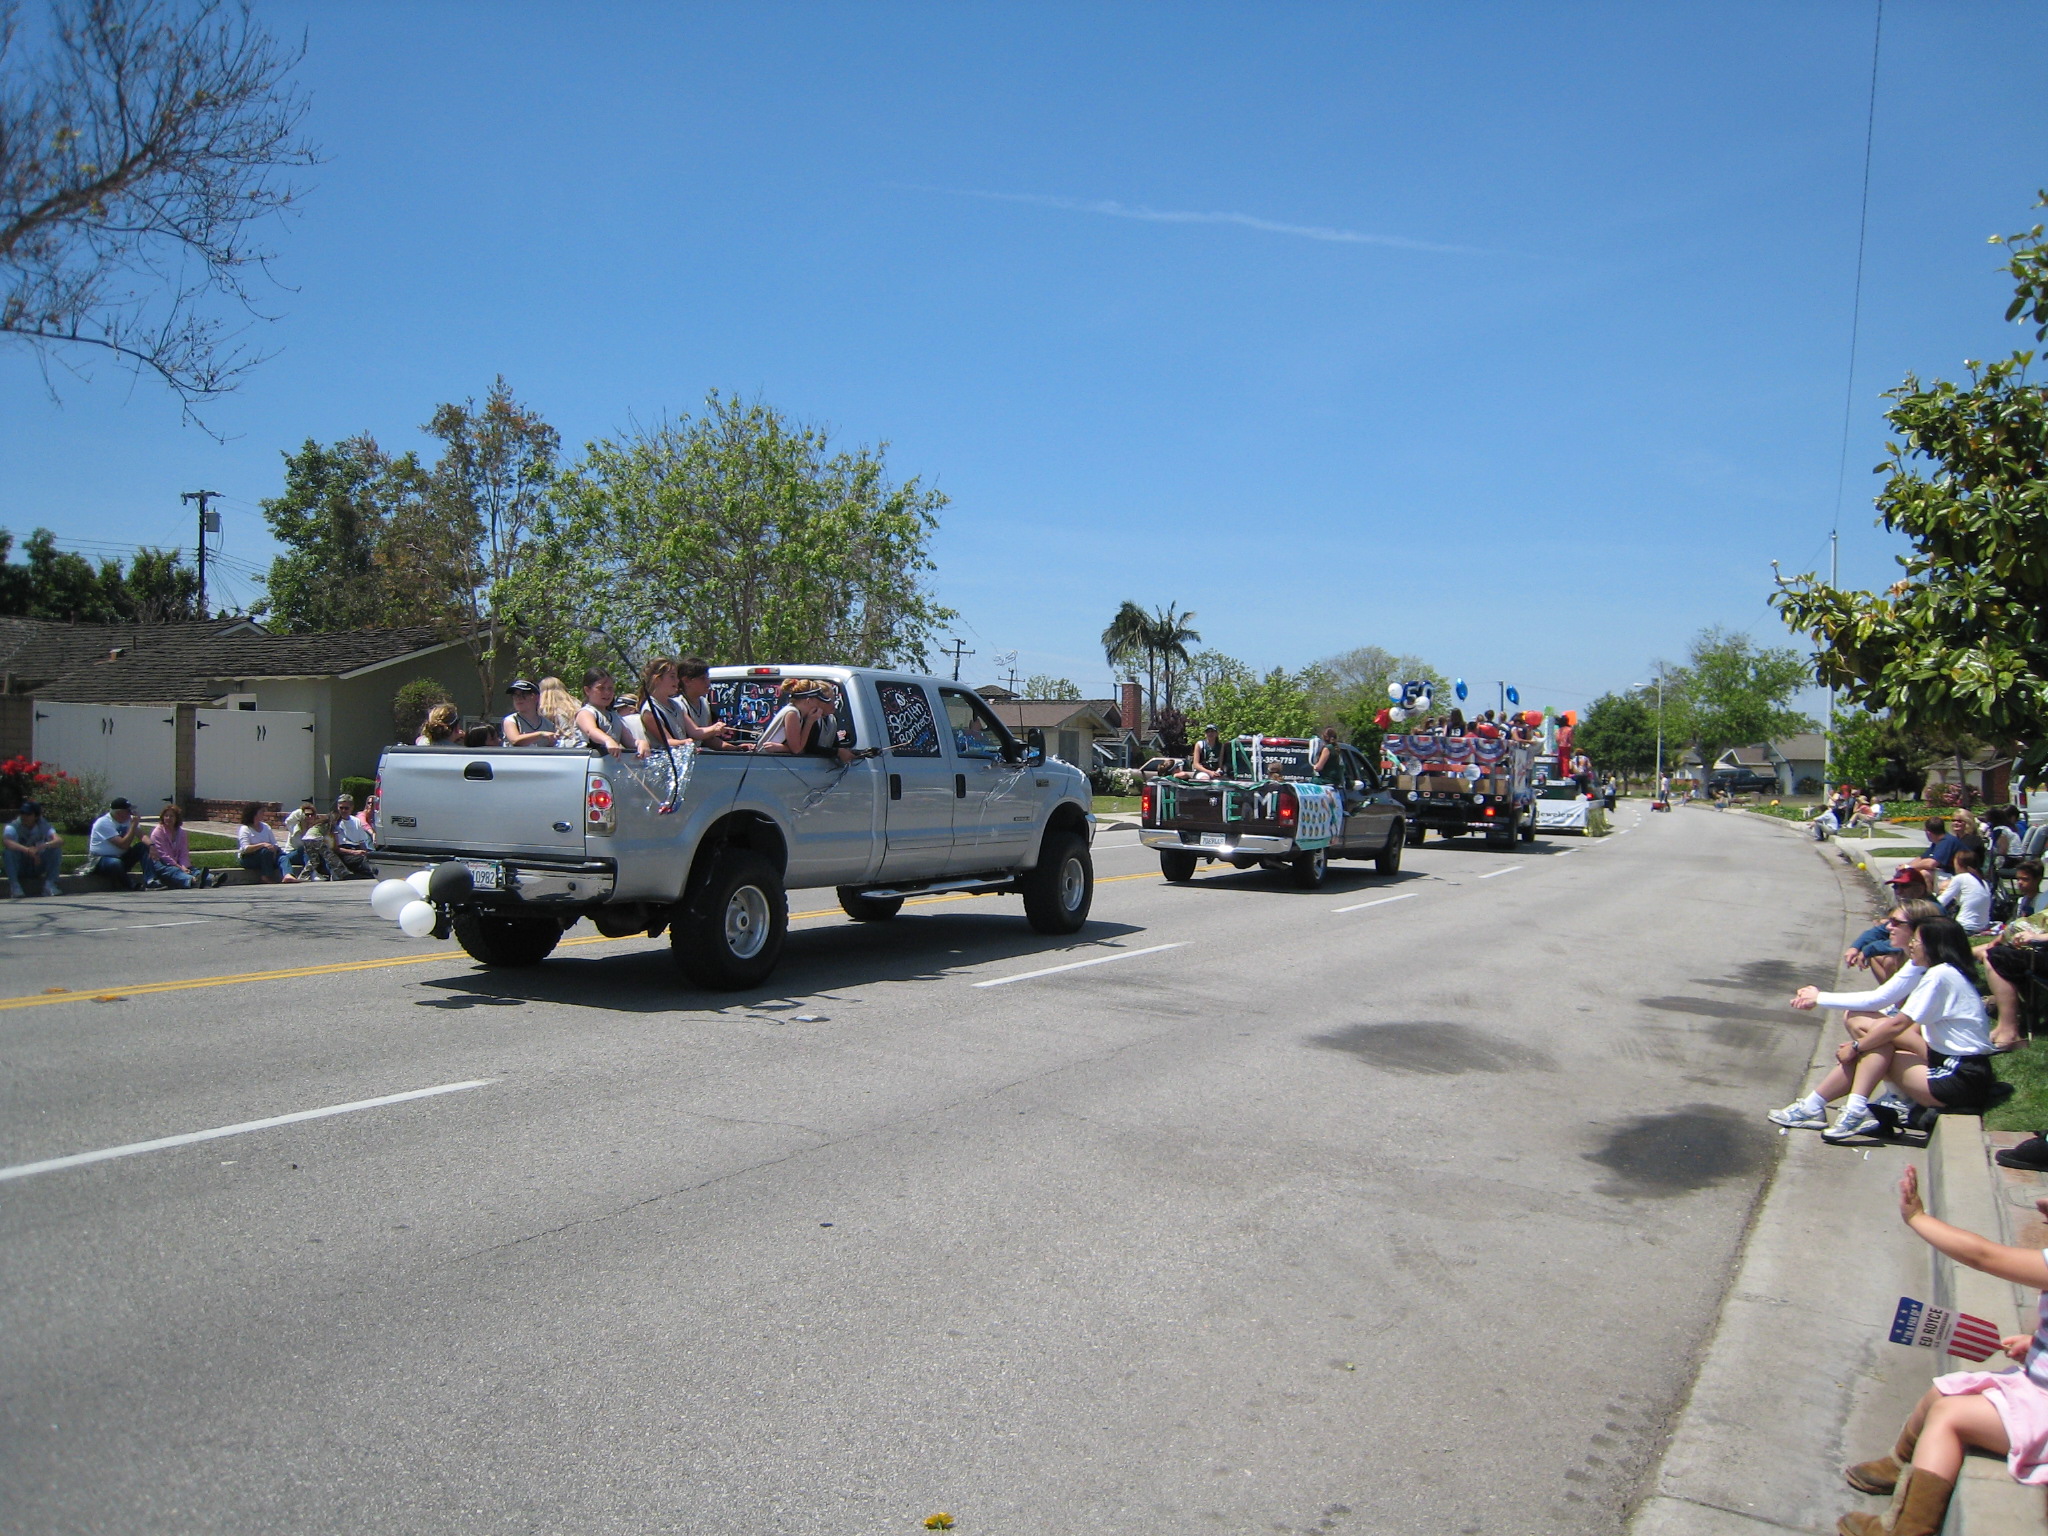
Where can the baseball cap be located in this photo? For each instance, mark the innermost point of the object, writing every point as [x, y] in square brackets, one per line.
[119, 803]
[1904, 876]
[521, 685]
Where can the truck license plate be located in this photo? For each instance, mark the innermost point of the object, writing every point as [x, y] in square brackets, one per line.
[1215, 840]
[486, 875]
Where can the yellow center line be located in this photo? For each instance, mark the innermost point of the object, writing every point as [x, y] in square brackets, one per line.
[119, 991]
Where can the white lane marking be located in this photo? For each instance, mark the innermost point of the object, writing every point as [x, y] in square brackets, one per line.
[1075, 965]
[80, 1159]
[1567, 853]
[1381, 902]
[183, 922]
[1508, 871]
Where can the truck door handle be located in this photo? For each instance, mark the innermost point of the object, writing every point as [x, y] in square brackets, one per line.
[959, 786]
[895, 786]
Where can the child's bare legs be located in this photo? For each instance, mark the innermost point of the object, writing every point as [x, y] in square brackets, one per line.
[1870, 1070]
[1952, 1425]
[2007, 997]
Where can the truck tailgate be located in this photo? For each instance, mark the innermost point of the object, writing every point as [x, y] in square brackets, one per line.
[500, 800]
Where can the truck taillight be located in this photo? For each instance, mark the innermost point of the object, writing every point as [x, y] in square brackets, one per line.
[1145, 804]
[1284, 808]
[599, 815]
[1489, 810]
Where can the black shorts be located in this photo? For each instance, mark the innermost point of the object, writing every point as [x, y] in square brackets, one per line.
[2016, 962]
[1960, 1082]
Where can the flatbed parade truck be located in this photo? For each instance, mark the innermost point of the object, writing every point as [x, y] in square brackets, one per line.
[1461, 785]
[1272, 811]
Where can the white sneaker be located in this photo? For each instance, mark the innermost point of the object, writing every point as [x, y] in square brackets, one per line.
[1851, 1124]
[1797, 1117]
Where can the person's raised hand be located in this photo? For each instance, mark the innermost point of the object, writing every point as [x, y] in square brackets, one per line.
[1909, 1194]
[2016, 1346]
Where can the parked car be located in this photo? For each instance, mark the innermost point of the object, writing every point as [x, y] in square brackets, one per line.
[1744, 781]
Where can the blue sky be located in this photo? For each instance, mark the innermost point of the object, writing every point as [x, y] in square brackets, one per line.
[1515, 336]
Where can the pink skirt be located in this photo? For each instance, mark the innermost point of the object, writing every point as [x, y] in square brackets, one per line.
[2022, 1406]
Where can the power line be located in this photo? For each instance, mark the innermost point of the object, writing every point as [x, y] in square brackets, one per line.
[1862, 234]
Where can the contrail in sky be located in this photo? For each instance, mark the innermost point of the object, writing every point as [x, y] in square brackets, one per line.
[1117, 210]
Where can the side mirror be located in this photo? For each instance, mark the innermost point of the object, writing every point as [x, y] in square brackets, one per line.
[1032, 756]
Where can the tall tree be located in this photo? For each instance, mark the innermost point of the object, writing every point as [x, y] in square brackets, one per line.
[1207, 670]
[740, 535]
[157, 587]
[1281, 703]
[1168, 635]
[161, 588]
[1619, 732]
[142, 145]
[1040, 685]
[1959, 646]
[1732, 693]
[1127, 642]
[486, 490]
[338, 503]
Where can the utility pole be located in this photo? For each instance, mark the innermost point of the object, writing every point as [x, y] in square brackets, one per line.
[1827, 740]
[956, 650]
[209, 522]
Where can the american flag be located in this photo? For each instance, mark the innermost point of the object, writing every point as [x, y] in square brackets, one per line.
[1955, 1333]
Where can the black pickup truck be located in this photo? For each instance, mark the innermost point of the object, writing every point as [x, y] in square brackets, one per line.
[1274, 812]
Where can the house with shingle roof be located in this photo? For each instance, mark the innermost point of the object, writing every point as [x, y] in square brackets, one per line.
[337, 686]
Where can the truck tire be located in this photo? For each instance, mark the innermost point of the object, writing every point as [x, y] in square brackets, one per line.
[1177, 867]
[1061, 889]
[868, 909]
[1310, 867]
[1529, 825]
[496, 939]
[1417, 835]
[728, 935]
[1388, 862]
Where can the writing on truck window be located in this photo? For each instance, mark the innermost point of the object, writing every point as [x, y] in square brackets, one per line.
[745, 703]
[907, 716]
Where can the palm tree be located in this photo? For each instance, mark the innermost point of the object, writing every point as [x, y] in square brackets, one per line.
[1128, 638]
[1169, 632]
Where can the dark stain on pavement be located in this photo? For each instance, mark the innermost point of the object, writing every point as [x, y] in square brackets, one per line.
[1760, 975]
[1434, 1049]
[1719, 1008]
[1681, 1150]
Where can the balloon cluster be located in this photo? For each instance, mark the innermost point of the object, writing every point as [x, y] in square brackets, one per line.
[1407, 699]
[404, 902]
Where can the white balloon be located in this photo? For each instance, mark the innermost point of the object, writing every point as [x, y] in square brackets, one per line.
[1397, 713]
[1395, 692]
[418, 881]
[417, 919]
[388, 898]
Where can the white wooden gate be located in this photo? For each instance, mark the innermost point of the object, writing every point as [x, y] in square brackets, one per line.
[253, 754]
[133, 746]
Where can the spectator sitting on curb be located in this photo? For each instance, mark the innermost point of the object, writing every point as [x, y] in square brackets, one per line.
[116, 845]
[1872, 949]
[353, 844]
[256, 847]
[1937, 1048]
[2003, 1412]
[170, 851]
[1967, 896]
[33, 848]
[1941, 851]
[2018, 954]
[306, 845]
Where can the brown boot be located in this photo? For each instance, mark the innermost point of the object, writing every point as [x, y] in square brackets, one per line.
[1918, 1508]
[1882, 1475]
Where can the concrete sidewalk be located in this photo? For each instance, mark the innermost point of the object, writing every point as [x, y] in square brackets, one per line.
[1799, 1377]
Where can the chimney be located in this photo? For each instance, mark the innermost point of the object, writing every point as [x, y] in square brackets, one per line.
[1132, 707]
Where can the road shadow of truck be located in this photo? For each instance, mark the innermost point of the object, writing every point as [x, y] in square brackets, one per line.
[927, 947]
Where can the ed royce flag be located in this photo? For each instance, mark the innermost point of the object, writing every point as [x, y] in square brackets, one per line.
[1955, 1333]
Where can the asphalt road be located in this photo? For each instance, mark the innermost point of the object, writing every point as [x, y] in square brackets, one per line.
[1403, 1218]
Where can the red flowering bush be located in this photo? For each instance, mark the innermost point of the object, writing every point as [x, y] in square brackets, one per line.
[22, 778]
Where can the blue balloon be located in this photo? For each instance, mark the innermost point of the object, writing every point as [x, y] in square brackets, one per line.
[1460, 687]
[1514, 697]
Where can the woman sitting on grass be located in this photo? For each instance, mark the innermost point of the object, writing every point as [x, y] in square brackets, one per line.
[1936, 1050]
[2003, 1412]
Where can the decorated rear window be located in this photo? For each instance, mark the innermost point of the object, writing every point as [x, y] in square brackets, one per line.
[907, 715]
[746, 704]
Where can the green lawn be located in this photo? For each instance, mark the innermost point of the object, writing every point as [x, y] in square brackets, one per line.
[209, 850]
[2027, 1070]
[1116, 805]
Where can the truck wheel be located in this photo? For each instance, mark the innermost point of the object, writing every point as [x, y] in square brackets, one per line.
[1060, 890]
[1177, 866]
[494, 939]
[1389, 860]
[1310, 866]
[1417, 834]
[868, 909]
[1529, 825]
[728, 935]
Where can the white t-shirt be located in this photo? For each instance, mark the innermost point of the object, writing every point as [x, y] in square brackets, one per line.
[1970, 898]
[1943, 1002]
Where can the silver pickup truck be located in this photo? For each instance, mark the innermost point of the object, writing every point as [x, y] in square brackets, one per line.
[522, 842]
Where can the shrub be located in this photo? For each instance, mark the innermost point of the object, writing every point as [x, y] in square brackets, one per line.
[410, 704]
[1117, 781]
[22, 778]
[71, 802]
[359, 790]
[1808, 786]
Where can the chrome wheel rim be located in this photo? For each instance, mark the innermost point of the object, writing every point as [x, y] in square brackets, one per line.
[1073, 885]
[746, 922]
